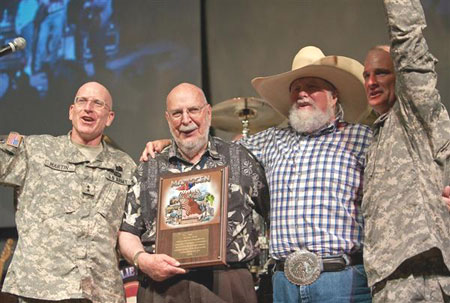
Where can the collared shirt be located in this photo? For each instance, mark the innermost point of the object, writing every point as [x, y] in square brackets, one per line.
[405, 173]
[315, 186]
[248, 191]
[68, 214]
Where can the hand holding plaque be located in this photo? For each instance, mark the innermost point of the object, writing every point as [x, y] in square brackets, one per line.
[159, 267]
[192, 217]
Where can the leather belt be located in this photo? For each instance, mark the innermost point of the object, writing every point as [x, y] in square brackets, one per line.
[145, 279]
[332, 263]
[231, 265]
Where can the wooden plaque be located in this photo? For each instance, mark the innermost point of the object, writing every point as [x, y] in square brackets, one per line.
[192, 217]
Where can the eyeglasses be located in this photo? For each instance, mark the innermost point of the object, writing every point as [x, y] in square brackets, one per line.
[83, 101]
[193, 112]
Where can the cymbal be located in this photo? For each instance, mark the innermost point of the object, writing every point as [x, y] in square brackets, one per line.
[230, 114]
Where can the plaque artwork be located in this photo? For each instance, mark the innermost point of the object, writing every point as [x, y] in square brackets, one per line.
[192, 217]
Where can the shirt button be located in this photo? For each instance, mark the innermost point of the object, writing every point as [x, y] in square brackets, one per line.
[81, 254]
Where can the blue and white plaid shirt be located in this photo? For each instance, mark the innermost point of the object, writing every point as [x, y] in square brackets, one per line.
[315, 184]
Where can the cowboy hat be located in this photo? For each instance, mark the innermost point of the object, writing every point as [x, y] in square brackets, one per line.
[344, 73]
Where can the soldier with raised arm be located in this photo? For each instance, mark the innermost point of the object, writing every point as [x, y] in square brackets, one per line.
[407, 226]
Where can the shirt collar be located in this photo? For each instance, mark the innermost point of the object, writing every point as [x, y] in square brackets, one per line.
[74, 155]
[326, 129]
[380, 120]
[211, 150]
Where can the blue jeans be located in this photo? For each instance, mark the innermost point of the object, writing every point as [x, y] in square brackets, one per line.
[348, 285]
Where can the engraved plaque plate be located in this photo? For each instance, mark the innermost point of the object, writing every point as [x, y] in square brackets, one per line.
[188, 244]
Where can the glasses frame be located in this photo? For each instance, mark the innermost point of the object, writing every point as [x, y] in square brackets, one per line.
[178, 113]
[94, 101]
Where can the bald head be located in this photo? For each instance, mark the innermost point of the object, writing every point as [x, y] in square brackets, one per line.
[91, 116]
[381, 47]
[97, 90]
[185, 92]
[379, 79]
[189, 117]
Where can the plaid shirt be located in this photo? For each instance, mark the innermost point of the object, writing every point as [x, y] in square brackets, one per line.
[315, 184]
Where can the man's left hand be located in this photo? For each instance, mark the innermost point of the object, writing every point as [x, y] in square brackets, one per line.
[446, 196]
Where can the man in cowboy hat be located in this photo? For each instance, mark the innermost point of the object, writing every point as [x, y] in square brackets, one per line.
[407, 227]
[315, 172]
[315, 168]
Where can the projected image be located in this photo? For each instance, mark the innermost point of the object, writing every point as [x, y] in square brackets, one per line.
[58, 33]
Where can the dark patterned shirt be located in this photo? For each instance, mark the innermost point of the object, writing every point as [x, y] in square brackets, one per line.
[247, 191]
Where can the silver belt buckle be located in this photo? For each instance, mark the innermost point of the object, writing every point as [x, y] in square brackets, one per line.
[302, 267]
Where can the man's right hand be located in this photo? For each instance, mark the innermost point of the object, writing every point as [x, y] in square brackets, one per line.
[159, 267]
[152, 148]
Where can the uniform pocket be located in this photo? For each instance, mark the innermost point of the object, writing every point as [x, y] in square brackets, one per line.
[112, 203]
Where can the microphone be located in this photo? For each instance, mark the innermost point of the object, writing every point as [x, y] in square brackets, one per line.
[18, 43]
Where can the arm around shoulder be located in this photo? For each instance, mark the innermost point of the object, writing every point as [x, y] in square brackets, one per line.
[154, 147]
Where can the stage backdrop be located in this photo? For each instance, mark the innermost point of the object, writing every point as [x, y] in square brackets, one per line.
[142, 48]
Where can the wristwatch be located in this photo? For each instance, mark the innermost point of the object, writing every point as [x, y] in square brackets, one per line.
[136, 256]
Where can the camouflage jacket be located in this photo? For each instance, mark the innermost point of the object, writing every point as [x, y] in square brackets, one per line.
[68, 214]
[247, 185]
[404, 177]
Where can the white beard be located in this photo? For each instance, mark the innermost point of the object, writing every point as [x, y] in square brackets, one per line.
[190, 147]
[311, 120]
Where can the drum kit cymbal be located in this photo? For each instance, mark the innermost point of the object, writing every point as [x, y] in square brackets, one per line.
[246, 115]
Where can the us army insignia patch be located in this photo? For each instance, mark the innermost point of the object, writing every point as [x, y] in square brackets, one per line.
[14, 139]
[118, 180]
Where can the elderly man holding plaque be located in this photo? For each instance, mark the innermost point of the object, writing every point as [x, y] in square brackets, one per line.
[175, 204]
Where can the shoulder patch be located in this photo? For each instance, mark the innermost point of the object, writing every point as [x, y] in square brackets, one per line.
[14, 139]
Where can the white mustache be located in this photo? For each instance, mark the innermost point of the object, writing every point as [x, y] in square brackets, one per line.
[307, 101]
[188, 128]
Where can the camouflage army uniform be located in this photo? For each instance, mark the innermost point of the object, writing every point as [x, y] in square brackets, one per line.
[68, 214]
[402, 206]
[248, 190]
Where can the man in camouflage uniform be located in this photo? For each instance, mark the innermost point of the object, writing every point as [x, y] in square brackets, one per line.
[71, 196]
[407, 226]
[189, 117]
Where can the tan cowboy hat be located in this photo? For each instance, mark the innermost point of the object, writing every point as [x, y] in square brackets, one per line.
[344, 73]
